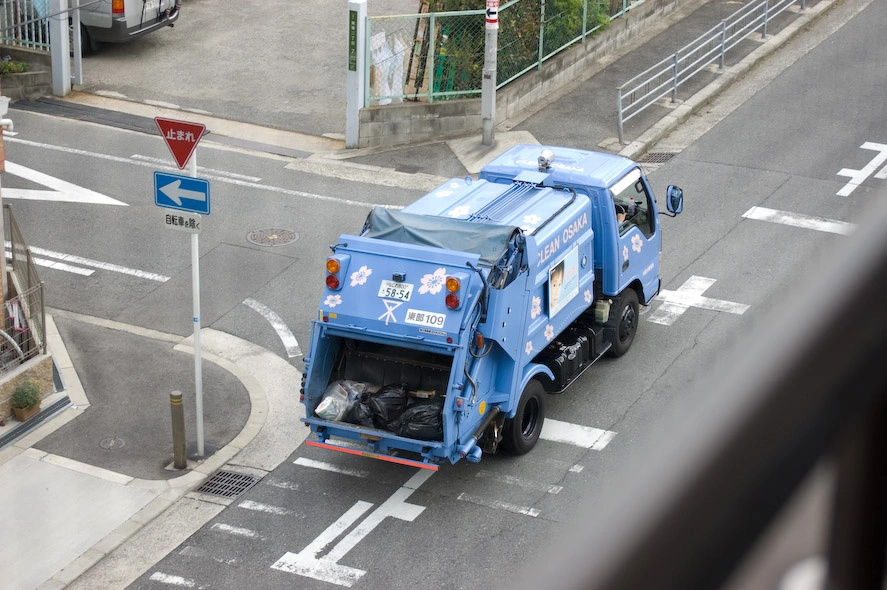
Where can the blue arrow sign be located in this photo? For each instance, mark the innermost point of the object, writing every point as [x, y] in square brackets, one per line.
[184, 193]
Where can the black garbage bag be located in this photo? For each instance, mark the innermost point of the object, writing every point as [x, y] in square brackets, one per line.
[422, 420]
[388, 404]
[360, 412]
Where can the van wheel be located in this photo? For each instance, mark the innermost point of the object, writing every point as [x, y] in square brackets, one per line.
[623, 322]
[88, 45]
[521, 432]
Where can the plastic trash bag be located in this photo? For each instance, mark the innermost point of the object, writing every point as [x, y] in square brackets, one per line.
[338, 397]
[388, 404]
[360, 412]
[422, 420]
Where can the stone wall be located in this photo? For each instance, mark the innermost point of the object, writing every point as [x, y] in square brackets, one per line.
[413, 122]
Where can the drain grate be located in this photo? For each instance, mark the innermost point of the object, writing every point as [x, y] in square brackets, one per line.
[272, 236]
[228, 484]
[657, 157]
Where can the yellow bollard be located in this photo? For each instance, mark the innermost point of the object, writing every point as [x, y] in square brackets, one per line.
[180, 456]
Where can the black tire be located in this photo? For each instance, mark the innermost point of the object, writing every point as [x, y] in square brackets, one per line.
[623, 322]
[521, 433]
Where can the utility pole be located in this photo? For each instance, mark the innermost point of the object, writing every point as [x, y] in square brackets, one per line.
[488, 86]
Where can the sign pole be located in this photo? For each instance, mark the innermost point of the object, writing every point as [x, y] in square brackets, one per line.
[488, 84]
[195, 287]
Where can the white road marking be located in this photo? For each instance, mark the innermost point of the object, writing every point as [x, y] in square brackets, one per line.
[100, 265]
[857, 177]
[283, 484]
[523, 483]
[266, 508]
[200, 169]
[499, 505]
[172, 580]
[799, 220]
[223, 179]
[330, 467]
[192, 551]
[236, 531]
[576, 469]
[688, 295]
[283, 332]
[61, 190]
[307, 563]
[62, 266]
[575, 434]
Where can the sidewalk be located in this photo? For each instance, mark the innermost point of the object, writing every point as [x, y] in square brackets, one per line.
[99, 525]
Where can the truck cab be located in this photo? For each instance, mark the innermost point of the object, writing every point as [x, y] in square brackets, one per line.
[443, 326]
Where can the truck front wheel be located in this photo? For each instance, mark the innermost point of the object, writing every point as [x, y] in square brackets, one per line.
[521, 432]
[623, 322]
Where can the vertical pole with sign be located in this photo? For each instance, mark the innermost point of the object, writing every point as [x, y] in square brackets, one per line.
[181, 137]
[355, 91]
[488, 85]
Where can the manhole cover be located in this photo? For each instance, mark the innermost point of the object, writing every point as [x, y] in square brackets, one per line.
[112, 443]
[657, 157]
[272, 236]
[228, 484]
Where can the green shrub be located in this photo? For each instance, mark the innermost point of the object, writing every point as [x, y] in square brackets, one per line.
[8, 66]
[26, 394]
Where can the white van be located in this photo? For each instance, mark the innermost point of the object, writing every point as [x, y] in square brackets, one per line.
[117, 21]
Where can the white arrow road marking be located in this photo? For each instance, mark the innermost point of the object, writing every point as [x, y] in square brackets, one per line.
[283, 331]
[61, 190]
[327, 569]
[857, 177]
[175, 193]
[799, 220]
[675, 303]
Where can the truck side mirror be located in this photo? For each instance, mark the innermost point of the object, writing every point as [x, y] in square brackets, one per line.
[674, 199]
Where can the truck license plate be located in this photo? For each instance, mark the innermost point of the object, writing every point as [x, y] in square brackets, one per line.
[151, 5]
[393, 290]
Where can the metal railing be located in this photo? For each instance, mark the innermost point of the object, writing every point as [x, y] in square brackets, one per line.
[665, 77]
[808, 388]
[434, 56]
[24, 331]
[25, 23]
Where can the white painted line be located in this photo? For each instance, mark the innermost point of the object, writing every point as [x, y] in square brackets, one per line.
[499, 505]
[675, 303]
[330, 467]
[200, 169]
[283, 332]
[266, 508]
[62, 266]
[172, 580]
[192, 551]
[799, 220]
[857, 177]
[575, 434]
[576, 469]
[233, 181]
[100, 265]
[307, 563]
[523, 483]
[236, 531]
[283, 484]
[61, 190]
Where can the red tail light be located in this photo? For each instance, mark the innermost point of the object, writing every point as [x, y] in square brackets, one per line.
[452, 301]
[332, 281]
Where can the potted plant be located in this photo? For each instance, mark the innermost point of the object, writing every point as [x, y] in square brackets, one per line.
[26, 399]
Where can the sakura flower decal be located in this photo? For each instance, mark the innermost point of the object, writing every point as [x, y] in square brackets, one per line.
[460, 211]
[536, 307]
[433, 283]
[529, 347]
[637, 243]
[332, 300]
[549, 332]
[588, 296]
[359, 277]
[530, 222]
[625, 253]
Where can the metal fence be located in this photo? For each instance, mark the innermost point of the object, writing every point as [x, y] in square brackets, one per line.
[24, 331]
[668, 75]
[25, 23]
[434, 56]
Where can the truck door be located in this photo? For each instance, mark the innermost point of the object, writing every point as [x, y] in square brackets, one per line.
[638, 241]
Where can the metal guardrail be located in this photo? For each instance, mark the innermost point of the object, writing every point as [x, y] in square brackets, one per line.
[23, 335]
[434, 56]
[808, 388]
[665, 77]
[25, 23]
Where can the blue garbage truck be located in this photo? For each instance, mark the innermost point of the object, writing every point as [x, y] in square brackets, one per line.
[443, 326]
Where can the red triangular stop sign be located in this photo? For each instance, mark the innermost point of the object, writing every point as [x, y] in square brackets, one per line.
[181, 137]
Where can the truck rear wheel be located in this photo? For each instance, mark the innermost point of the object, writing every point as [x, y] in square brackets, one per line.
[623, 322]
[521, 432]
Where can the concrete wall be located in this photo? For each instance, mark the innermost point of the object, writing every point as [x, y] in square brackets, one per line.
[34, 83]
[420, 121]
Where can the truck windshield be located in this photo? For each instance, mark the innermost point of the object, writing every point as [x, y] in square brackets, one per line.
[487, 241]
